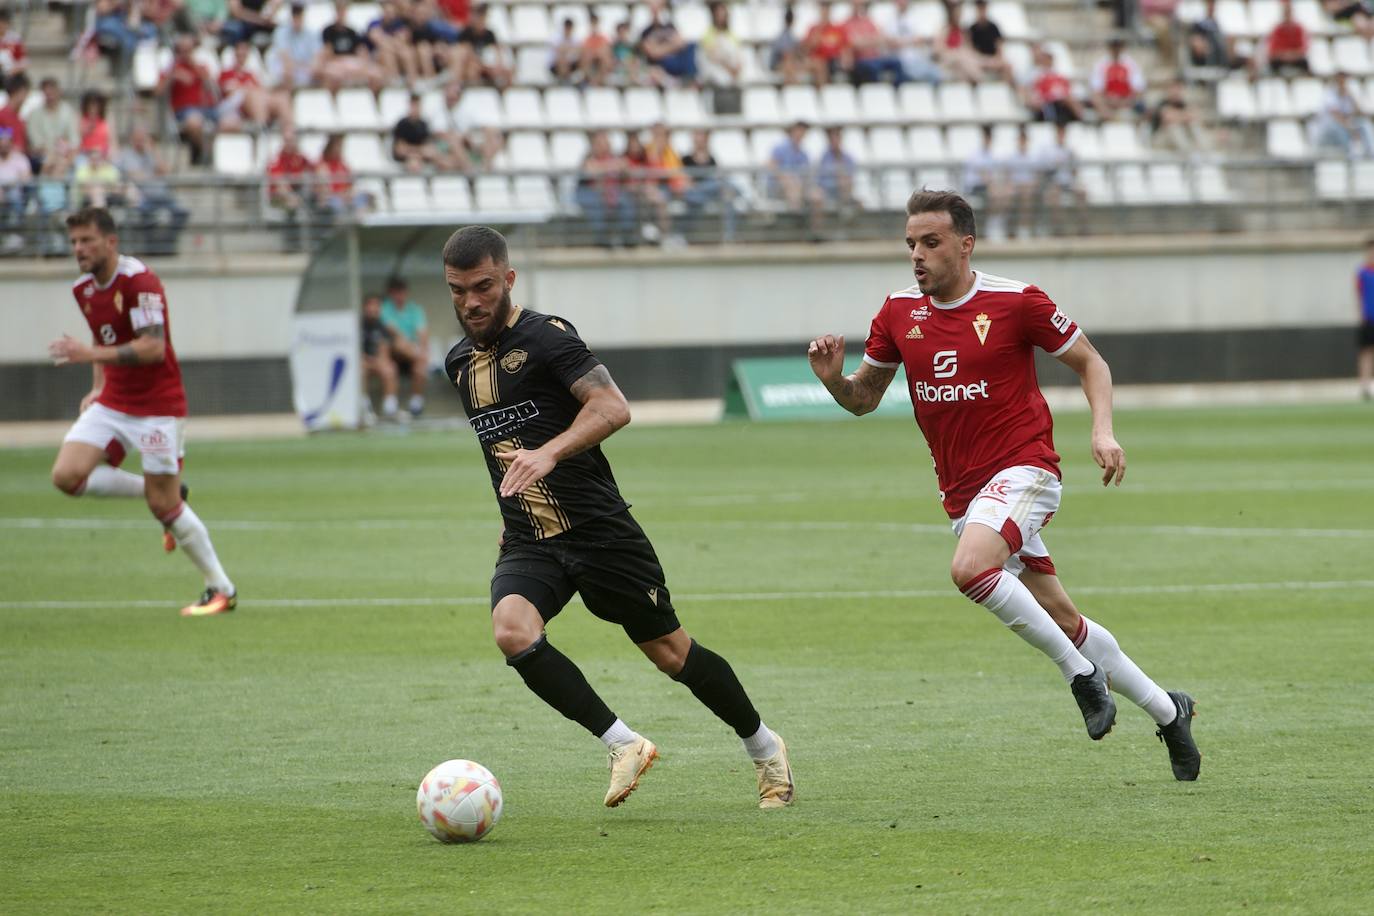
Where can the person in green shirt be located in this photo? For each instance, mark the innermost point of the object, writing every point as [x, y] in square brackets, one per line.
[410, 341]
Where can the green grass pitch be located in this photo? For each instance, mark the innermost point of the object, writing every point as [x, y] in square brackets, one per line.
[267, 761]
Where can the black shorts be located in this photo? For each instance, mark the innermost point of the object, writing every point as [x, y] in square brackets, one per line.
[608, 561]
[1366, 334]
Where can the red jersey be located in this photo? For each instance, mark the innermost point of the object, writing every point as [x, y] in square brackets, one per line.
[1287, 38]
[231, 80]
[970, 368]
[188, 86]
[12, 53]
[1051, 87]
[827, 40]
[133, 300]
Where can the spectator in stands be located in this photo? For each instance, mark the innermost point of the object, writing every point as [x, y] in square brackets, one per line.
[1048, 93]
[720, 54]
[1208, 46]
[436, 41]
[207, 17]
[985, 179]
[405, 319]
[291, 186]
[785, 52]
[97, 181]
[826, 47]
[243, 98]
[913, 48]
[13, 56]
[667, 174]
[167, 16]
[953, 52]
[625, 54]
[602, 195]
[1357, 15]
[478, 139]
[416, 146]
[337, 194]
[347, 60]
[15, 175]
[1158, 17]
[1118, 83]
[1287, 45]
[94, 124]
[596, 61]
[295, 53]
[53, 197]
[51, 122]
[1059, 170]
[1023, 186]
[192, 94]
[377, 362]
[119, 27]
[791, 180]
[252, 21]
[1176, 124]
[17, 90]
[872, 52]
[486, 60]
[390, 37]
[707, 186]
[1343, 124]
[641, 180]
[986, 40]
[565, 55]
[835, 171]
[671, 58]
[160, 216]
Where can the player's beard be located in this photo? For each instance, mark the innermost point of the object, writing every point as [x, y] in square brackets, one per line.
[499, 316]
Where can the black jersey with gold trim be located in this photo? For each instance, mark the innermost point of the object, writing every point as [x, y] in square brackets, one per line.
[516, 395]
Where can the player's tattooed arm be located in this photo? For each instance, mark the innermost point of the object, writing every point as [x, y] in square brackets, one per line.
[148, 346]
[860, 392]
[603, 412]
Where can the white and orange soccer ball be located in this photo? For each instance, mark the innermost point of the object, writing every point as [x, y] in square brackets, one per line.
[459, 801]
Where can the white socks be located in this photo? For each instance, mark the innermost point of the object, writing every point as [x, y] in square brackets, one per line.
[762, 744]
[390, 405]
[1098, 644]
[619, 735]
[111, 481]
[193, 538]
[417, 403]
[1013, 604]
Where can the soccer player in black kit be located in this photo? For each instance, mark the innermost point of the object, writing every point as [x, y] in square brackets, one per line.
[541, 404]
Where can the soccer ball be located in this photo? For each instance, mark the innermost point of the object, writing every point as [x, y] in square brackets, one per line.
[459, 801]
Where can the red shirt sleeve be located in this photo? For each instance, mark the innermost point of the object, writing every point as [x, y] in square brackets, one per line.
[1045, 324]
[149, 305]
[880, 349]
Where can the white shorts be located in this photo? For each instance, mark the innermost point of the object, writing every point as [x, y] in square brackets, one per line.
[161, 441]
[1017, 503]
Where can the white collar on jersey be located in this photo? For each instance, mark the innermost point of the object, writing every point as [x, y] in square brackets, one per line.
[977, 285]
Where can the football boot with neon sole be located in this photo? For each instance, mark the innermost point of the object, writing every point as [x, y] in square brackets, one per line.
[211, 602]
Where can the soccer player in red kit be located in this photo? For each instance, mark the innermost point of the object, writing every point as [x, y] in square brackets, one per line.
[967, 342]
[136, 399]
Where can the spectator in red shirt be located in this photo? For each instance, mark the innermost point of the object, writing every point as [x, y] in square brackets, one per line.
[192, 95]
[93, 125]
[597, 61]
[292, 185]
[13, 58]
[243, 98]
[17, 87]
[337, 194]
[602, 196]
[826, 46]
[1048, 93]
[1287, 45]
[953, 53]
[1118, 83]
[874, 53]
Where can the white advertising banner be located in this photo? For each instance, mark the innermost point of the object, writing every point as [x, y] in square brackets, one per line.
[325, 381]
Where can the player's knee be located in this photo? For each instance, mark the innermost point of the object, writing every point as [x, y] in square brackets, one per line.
[68, 481]
[515, 626]
[162, 506]
[962, 571]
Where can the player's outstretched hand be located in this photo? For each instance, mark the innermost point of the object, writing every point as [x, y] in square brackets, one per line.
[66, 349]
[526, 469]
[827, 357]
[1110, 457]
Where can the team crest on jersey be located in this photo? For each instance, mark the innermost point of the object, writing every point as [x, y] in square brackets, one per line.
[920, 314]
[88, 291]
[513, 360]
[915, 333]
[119, 303]
[981, 324]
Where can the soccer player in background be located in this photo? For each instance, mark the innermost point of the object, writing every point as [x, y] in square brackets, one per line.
[1364, 292]
[541, 404]
[967, 341]
[136, 399]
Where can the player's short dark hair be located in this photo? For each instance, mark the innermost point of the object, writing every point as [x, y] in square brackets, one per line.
[16, 83]
[472, 245]
[396, 282]
[98, 217]
[960, 213]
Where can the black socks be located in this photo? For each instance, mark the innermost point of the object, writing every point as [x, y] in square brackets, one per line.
[557, 681]
[713, 682]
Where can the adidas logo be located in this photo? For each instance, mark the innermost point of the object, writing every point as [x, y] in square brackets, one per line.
[915, 333]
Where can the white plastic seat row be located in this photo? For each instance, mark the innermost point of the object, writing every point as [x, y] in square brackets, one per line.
[1257, 18]
[1239, 100]
[491, 195]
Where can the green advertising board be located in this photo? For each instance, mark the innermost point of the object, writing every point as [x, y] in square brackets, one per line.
[784, 388]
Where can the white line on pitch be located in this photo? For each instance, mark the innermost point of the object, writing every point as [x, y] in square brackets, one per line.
[704, 597]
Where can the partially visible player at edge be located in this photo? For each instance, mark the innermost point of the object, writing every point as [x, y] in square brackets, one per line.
[136, 399]
[541, 404]
[967, 341]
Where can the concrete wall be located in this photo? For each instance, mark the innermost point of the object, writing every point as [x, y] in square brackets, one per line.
[1163, 309]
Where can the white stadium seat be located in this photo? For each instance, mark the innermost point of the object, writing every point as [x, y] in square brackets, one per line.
[956, 103]
[434, 109]
[927, 144]
[997, 102]
[410, 194]
[730, 148]
[643, 106]
[564, 108]
[840, 104]
[761, 106]
[450, 194]
[603, 107]
[887, 146]
[962, 141]
[479, 105]
[684, 108]
[1272, 99]
[366, 152]
[1319, 57]
[762, 142]
[1333, 179]
[532, 66]
[493, 194]
[1308, 95]
[1097, 185]
[1010, 17]
[1236, 101]
[1121, 141]
[567, 150]
[1209, 184]
[878, 103]
[534, 193]
[1168, 184]
[527, 151]
[801, 103]
[357, 110]
[313, 109]
[1350, 54]
[916, 102]
[1285, 140]
[529, 24]
[233, 155]
[523, 108]
[392, 106]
